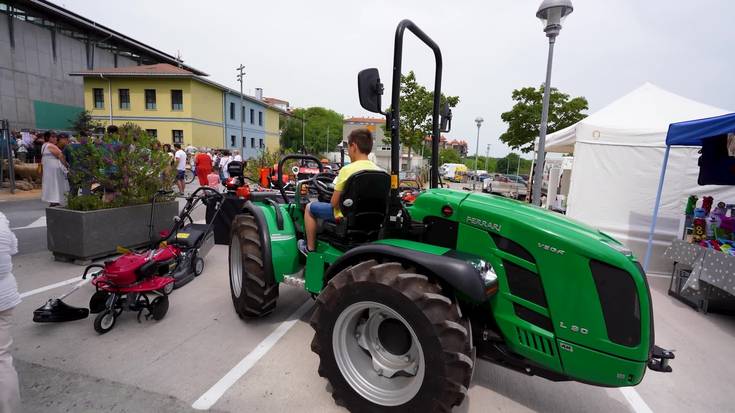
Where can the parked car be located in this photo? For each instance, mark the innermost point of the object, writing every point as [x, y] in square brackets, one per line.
[502, 185]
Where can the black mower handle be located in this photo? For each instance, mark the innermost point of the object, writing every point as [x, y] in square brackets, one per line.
[294, 156]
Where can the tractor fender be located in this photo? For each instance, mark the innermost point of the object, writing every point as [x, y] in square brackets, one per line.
[457, 273]
[264, 235]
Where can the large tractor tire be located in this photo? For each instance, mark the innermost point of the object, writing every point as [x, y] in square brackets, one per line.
[254, 291]
[389, 341]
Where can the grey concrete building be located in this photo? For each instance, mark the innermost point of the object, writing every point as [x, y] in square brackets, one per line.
[40, 44]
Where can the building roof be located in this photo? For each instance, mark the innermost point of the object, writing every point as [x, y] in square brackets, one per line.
[157, 70]
[94, 28]
[273, 101]
[365, 120]
[165, 70]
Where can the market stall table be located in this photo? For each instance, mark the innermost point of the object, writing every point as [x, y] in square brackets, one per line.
[714, 271]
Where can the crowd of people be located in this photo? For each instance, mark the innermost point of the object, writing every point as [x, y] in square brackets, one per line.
[52, 152]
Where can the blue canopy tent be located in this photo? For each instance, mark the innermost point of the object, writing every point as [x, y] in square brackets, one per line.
[687, 133]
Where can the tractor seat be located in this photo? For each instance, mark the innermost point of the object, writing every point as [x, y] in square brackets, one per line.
[364, 206]
[188, 236]
[235, 169]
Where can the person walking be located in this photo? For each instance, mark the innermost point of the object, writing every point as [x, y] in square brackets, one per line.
[223, 162]
[9, 298]
[180, 159]
[236, 156]
[54, 183]
[203, 164]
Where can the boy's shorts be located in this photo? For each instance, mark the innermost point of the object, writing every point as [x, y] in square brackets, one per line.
[180, 175]
[322, 210]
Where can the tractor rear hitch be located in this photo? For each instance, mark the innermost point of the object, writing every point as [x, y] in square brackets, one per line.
[659, 360]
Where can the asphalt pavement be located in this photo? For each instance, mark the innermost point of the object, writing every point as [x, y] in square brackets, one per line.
[202, 355]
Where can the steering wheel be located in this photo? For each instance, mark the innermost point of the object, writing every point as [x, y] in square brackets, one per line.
[323, 182]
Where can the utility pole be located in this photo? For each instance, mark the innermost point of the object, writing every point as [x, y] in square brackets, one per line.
[241, 78]
[507, 163]
[327, 151]
[303, 131]
[487, 155]
[518, 169]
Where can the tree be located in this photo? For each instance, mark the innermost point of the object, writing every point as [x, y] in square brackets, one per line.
[84, 123]
[322, 133]
[416, 104]
[448, 156]
[524, 119]
[510, 165]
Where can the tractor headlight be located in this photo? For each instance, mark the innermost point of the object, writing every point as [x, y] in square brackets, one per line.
[488, 276]
[618, 247]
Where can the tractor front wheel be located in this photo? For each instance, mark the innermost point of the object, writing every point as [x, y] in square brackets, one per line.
[254, 292]
[388, 340]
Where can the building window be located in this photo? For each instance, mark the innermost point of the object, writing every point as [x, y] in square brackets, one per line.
[177, 100]
[243, 142]
[252, 142]
[232, 140]
[150, 99]
[177, 135]
[252, 116]
[242, 115]
[260, 118]
[153, 133]
[99, 98]
[124, 95]
[261, 144]
[232, 110]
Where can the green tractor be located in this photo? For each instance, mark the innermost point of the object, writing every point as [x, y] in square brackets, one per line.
[408, 296]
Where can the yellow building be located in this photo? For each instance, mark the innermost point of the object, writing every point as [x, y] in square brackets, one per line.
[174, 104]
[272, 128]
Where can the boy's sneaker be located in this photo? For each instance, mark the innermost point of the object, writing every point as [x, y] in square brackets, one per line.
[303, 248]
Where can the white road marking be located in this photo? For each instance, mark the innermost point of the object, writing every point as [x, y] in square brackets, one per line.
[635, 400]
[40, 222]
[50, 287]
[211, 396]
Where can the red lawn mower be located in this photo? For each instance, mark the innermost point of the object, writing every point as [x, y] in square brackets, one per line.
[142, 280]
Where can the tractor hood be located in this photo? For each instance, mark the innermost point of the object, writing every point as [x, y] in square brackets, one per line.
[504, 216]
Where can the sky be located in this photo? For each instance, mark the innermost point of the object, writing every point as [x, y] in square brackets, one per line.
[309, 52]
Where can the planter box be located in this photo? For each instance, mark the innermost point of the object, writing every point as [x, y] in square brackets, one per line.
[88, 235]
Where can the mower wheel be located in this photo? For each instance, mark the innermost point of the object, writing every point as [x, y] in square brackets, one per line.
[105, 321]
[98, 301]
[254, 292]
[198, 266]
[388, 340]
[159, 307]
[168, 289]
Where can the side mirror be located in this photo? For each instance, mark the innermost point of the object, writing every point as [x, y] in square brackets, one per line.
[370, 89]
[445, 114]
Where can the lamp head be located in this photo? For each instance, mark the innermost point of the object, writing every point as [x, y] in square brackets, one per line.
[552, 13]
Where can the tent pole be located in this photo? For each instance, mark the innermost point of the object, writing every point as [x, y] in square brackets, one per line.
[649, 248]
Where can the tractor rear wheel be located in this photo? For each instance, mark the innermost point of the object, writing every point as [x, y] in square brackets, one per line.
[254, 292]
[388, 340]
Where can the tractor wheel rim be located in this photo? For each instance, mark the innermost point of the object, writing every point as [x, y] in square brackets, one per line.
[370, 364]
[199, 266]
[107, 321]
[236, 266]
[168, 289]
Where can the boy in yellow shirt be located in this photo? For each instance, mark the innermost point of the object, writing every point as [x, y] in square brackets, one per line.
[359, 145]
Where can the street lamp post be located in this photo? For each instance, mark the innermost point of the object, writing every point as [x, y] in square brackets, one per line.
[551, 13]
[479, 121]
[487, 155]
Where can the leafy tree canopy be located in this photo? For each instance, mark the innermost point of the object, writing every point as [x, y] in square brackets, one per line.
[417, 103]
[524, 119]
[323, 130]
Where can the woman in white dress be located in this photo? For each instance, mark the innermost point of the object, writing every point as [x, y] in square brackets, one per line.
[54, 180]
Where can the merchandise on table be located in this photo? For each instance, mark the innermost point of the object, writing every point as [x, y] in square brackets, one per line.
[711, 225]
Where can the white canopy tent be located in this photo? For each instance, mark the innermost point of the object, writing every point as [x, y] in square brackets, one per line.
[618, 153]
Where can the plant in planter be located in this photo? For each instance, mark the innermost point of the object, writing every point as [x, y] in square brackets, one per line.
[126, 168]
